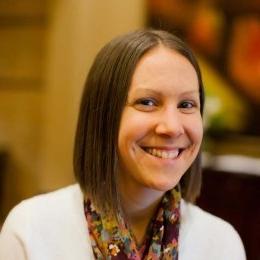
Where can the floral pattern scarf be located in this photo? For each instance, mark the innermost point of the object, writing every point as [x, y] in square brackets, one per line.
[113, 240]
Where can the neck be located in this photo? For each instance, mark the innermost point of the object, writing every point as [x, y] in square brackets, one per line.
[139, 205]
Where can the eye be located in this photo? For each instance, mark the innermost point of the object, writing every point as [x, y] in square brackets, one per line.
[146, 104]
[188, 106]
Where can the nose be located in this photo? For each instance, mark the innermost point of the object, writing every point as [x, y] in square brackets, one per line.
[169, 124]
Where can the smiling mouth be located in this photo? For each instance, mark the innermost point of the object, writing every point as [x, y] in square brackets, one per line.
[163, 154]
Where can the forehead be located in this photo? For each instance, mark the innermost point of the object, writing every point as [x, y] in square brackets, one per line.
[166, 70]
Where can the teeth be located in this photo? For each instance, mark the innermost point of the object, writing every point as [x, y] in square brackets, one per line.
[163, 153]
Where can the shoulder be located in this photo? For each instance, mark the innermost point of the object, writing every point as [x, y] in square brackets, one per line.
[48, 226]
[210, 237]
[42, 207]
[198, 219]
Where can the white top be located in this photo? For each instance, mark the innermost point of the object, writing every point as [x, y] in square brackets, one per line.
[53, 227]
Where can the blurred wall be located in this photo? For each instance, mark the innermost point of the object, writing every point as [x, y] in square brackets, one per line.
[50, 59]
[22, 61]
[77, 30]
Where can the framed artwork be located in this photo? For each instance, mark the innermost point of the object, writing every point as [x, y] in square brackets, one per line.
[225, 36]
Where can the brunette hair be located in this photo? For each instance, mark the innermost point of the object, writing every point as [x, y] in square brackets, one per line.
[104, 98]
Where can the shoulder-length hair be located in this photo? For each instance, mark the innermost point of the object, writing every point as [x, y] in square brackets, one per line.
[104, 98]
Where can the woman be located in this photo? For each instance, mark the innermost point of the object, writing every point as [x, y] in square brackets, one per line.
[137, 162]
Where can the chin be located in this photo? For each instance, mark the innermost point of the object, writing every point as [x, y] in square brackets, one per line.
[163, 186]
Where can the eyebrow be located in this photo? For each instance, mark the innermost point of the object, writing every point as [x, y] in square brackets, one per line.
[152, 91]
[147, 90]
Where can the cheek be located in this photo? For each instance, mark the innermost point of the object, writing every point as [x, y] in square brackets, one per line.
[133, 127]
[129, 132]
[195, 130]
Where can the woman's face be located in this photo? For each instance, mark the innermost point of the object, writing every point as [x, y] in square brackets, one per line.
[161, 126]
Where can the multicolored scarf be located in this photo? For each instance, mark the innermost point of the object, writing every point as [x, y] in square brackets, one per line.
[113, 240]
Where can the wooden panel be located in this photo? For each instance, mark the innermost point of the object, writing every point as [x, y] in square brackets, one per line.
[22, 33]
[23, 7]
[21, 52]
[235, 198]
